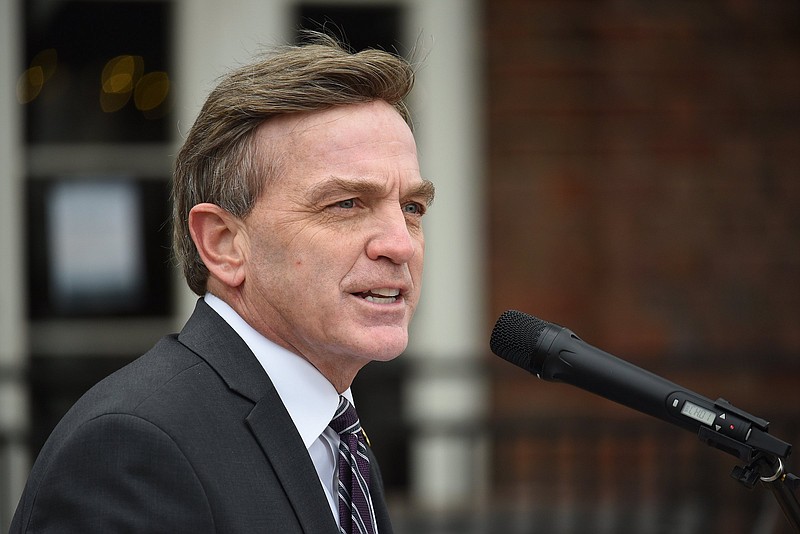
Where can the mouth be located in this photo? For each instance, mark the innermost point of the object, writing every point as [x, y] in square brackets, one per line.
[380, 295]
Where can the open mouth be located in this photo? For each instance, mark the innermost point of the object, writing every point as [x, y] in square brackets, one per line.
[380, 296]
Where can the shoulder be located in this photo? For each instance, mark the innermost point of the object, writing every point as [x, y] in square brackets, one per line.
[114, 472]
[130, 386]
[124, 444]
[124, 393]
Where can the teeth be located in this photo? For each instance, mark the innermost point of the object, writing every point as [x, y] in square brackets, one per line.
[381, 295]
[383, 292]
[380, 300]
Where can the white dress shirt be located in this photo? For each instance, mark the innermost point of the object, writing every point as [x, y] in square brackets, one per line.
[309, 397]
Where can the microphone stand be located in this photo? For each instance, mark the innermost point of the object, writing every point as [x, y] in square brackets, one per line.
[784, 486]
[764, 455]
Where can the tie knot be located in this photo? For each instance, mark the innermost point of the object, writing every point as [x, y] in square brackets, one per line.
[345, 420]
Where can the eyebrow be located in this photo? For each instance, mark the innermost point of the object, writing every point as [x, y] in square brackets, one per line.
[425, 190]
[335, 185]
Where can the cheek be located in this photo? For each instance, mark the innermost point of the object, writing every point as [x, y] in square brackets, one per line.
[419, 257]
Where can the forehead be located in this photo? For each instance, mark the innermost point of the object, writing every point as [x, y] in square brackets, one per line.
[359, 134]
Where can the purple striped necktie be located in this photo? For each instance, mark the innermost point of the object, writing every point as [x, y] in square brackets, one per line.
[356, 515]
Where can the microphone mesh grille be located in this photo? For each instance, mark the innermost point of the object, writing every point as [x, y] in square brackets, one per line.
[514, 337]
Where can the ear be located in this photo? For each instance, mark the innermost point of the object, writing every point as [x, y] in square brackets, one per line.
[220, 239]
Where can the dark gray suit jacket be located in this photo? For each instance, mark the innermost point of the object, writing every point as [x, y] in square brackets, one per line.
[191, 437]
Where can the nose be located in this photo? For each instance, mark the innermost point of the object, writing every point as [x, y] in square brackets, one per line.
[393, 238]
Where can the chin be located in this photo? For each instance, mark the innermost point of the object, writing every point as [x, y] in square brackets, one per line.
[387, 357]
[386, 350]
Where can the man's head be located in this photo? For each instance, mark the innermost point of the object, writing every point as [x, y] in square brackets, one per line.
[311, 228]
[218, 162]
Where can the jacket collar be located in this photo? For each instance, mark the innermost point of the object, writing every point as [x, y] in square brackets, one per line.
[210, 337]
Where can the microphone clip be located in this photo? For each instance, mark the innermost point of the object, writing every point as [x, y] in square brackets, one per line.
[758, 440]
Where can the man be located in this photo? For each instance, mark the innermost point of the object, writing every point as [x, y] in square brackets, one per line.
[298, 205]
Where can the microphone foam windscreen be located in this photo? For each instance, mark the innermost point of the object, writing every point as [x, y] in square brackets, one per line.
[514, 337]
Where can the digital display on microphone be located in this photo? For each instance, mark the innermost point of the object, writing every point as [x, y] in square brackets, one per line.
[698, 413]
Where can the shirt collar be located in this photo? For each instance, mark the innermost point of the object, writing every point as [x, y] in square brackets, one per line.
[308, 396]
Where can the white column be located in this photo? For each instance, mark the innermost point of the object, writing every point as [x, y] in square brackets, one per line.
[212, 38]
[447, 394]
[14, 461]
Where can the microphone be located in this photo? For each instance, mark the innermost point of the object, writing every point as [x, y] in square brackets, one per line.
[556, 354]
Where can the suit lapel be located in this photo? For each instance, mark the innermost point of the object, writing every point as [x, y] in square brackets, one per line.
[278, 437]
[378, 500]
[208, 335]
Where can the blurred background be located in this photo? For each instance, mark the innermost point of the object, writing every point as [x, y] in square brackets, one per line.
[628, 169]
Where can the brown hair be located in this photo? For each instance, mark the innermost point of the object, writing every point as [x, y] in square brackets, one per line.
[218, 163]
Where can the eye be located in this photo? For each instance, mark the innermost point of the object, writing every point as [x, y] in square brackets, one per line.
[413, 208]
[350, 203]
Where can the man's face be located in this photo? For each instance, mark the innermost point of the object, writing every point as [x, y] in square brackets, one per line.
[335, 243]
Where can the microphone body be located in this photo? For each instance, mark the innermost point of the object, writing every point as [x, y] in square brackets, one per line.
[555, 353]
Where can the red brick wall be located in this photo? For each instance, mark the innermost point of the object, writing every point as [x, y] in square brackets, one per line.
[644, 171]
